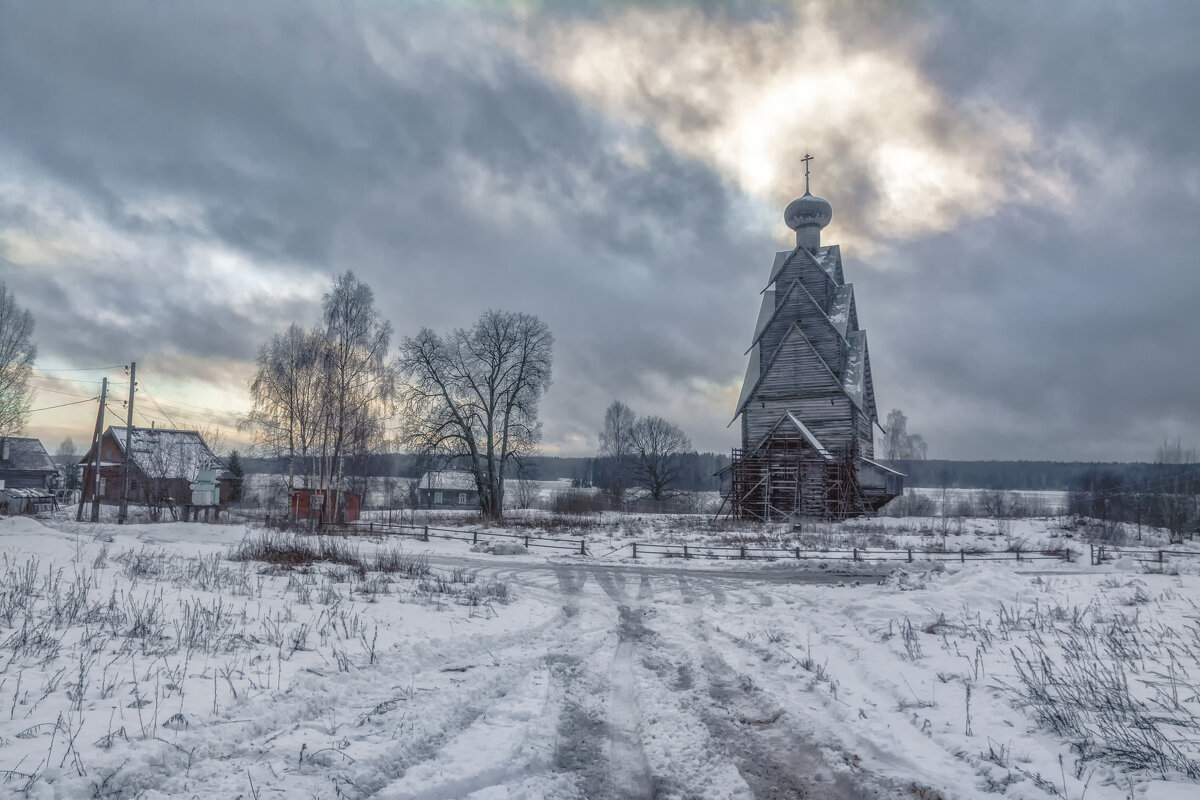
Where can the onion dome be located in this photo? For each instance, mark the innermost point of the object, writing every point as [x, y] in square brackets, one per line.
[807, 210]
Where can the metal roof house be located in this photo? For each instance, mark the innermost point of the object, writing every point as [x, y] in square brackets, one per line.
[449, 489]
[164, 465]
[27, 475]
[807, 405]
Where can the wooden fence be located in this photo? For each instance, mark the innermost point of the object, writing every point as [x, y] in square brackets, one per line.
[1144, 555]
[580, 546]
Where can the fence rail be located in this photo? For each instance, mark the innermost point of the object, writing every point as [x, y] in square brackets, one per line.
[1145, 555]
[689, 551]
[579, 546]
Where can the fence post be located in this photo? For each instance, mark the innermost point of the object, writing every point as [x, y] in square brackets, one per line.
[474, 537]
[267, 521]
[910, 555]
[1092, 554]
[1018, 555]
[962, 555]
[1160, 556]
[797, 553]
[425, 534]
[370, 527]
[635, 549]
[855, 554]
[743, 551]
[583, 547]
[526, 541]
[685, 552]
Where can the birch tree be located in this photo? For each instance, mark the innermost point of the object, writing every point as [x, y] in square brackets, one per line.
[616, 448]
[1176, 488]
[360, 383]
[473, 394]
[900, 444]
[17, 352]
[286, 391]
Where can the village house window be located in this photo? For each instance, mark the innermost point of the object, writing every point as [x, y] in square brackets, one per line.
[437, 497]
[462, 498]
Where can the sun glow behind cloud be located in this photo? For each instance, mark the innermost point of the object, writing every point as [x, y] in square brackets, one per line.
[750, 97]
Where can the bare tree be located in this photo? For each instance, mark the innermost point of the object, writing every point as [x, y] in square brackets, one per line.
[17, 352]
[1176, 488]
[359, 381]
[287, 391]
[214, 437]
[67, 458]
[616, 448]
[900, 444]
[656, 445]
[474, 394]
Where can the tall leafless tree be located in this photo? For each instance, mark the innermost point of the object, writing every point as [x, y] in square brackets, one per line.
[287, 391]
[616, 448]
[360, 383]
[900, 444]
[474, 394]
[656, 446]
[17, 352]
[1175, 488]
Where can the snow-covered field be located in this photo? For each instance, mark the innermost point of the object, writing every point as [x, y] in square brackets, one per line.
[140, 661]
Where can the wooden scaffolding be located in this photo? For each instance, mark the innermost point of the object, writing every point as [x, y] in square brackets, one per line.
[787, 480]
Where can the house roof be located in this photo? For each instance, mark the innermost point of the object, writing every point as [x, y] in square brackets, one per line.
[449, 479]
[25, 455]
[169, 454]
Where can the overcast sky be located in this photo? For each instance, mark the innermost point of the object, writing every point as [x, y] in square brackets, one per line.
[1016, 189]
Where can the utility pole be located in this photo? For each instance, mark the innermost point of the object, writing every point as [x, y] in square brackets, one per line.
[124, 513]
[96, 460]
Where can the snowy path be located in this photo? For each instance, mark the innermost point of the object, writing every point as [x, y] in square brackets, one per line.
[621, 695]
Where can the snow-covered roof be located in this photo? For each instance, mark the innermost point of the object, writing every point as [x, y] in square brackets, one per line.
[449, 479]
[24, 455]
[169, 454]
[751, 379]
[881, 466]
[854, 380]
[766, 312]
[809, 437]
[781, 258]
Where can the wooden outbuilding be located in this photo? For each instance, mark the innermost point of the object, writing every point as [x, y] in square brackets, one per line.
[28, 476]
[317, 505]
[807, 406]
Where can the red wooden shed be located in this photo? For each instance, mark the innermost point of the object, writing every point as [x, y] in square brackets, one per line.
[318, 504]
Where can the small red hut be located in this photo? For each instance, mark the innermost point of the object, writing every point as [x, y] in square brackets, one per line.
[317, 504]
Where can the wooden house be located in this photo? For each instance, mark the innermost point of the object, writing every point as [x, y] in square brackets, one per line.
[807, 405]
[449, 489]
[164, 466]
[28, 476]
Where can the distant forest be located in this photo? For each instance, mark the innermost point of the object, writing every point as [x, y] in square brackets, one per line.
[1029, 475]
[697, 471]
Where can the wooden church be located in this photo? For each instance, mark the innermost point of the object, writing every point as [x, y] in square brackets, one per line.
[807, 407]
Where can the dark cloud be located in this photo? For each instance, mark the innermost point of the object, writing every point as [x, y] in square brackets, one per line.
[192, 176]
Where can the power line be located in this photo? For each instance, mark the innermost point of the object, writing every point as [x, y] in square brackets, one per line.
[63, 405]
[64, 380]
[156, 405]
[82, 369]
[59, 391]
